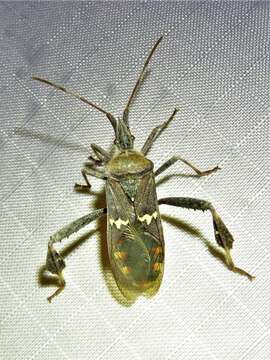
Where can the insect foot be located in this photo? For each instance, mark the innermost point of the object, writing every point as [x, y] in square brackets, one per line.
[225, 239]
[82, 188]
[55, 264]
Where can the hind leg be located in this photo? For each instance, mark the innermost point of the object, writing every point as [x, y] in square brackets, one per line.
[222, 234]
[54, 262]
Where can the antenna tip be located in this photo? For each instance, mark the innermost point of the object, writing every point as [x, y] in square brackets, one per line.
[34, 77]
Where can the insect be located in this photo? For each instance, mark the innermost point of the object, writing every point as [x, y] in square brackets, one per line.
[134, 230]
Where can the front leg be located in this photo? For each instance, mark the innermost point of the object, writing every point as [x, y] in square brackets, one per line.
[173, 159]
[223, 236]
[88, 170]
[155, 133]
[55, 263]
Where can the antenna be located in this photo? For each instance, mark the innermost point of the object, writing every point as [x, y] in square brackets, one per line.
[139, 81]
[77, 96]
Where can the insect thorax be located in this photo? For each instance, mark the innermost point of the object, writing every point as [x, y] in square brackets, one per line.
[128, 167]
[128, 163]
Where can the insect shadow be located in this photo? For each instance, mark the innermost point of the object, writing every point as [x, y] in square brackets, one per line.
[50, 139]
[196, 233]
[46, 279]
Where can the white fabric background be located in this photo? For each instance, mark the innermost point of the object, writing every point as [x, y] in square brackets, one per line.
[213, 64]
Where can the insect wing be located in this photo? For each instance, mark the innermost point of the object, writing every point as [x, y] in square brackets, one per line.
[135, 238]
[147, 211]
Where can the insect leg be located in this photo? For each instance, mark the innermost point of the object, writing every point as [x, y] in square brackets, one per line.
[173, 159]
[81, 187]
[222, 234]
[54, 262]
[155, 134]
[87, 170]
[95, 161]
[102, 154]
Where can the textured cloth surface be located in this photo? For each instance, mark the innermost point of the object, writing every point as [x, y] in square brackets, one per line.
[212, 64]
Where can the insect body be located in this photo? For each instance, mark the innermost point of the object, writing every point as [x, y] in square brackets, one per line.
[134, 234]
[135, 238]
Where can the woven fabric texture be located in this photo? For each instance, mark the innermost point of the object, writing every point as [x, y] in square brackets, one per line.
[212, 64]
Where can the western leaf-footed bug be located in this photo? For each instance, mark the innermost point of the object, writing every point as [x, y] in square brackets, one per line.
[134, 231]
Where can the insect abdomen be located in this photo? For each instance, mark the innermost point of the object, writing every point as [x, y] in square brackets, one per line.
[138, 260]
[135, 237]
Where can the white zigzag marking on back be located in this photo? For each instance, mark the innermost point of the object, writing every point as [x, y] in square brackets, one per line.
[148, 218]
[118, 222]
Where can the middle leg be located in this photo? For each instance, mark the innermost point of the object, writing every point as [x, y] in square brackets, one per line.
[54, 262]
[223, 236]
[173, 159]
